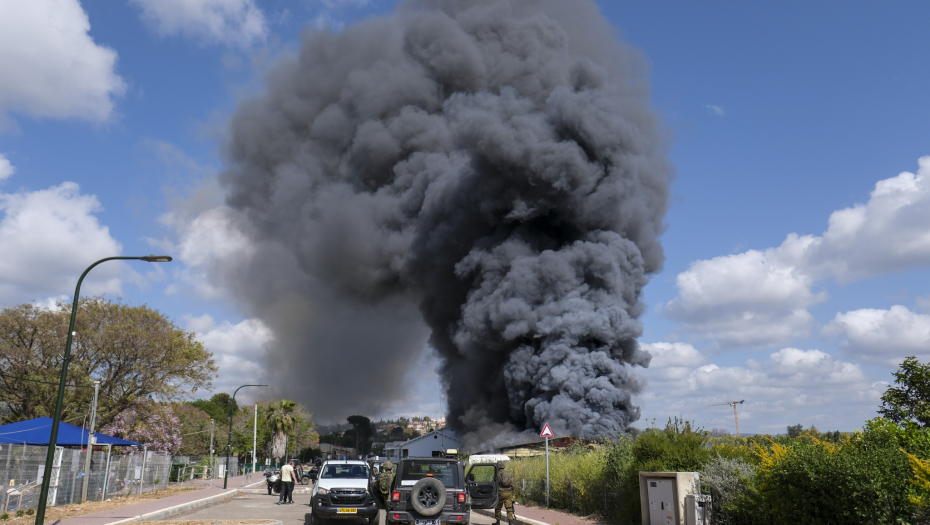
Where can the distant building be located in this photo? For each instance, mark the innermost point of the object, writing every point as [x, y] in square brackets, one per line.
[531, 448]
[431, 444]
[337, 451]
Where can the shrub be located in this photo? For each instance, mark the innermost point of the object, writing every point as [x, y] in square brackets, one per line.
[5, 516]
[677, 447]
[920, 495]
[576, 478]
[726, 480]
[30, 512]
[808, 480]
[20, 513]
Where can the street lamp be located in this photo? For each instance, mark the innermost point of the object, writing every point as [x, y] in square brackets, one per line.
[53, 438]
[229, 436]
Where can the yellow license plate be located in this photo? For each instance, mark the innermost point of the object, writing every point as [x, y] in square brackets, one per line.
[348, 511]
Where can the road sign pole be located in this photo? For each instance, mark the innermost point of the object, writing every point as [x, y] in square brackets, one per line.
[547, 433]
[547, 472]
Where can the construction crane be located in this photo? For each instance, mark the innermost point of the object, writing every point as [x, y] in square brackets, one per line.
[735, 415]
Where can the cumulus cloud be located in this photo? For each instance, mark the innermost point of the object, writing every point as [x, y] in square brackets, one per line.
[207, 245]
[791, 386]
[238, 350]
[49, 237]
[890, 232]
[673, 355]
[6, 168]
[230, 22]
[761, 297]
[883, 336]
[49, 64]
[755, 298]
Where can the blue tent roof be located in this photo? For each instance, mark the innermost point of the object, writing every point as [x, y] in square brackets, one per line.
[37, 432]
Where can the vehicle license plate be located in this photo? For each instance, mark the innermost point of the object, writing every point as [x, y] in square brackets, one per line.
[427, 522]
[348, 511]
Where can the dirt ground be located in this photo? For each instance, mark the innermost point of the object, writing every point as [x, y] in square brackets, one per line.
[79, 509]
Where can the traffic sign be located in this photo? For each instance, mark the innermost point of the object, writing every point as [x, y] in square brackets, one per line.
[546, 432]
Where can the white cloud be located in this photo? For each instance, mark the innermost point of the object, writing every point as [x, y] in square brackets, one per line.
[48, 237]
[890, 232]
[49, 64]
[6, 168]
[238, 350]
[207, 245]
[230, 22]
[716, 110]
[761, 297]
[792, 386]
[754, 298]
[883, 336]
[670, 355]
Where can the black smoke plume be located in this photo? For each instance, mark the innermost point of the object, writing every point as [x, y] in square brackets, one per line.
[489, 167]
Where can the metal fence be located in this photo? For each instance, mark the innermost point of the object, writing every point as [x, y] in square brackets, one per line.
[112, 473]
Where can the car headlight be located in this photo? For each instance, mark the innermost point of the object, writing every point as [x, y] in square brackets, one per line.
[322, 491]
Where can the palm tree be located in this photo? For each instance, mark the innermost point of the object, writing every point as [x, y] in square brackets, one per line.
[282, 418]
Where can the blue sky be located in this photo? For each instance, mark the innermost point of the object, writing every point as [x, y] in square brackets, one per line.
[780, 115]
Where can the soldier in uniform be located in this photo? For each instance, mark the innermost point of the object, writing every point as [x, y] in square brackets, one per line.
[386, 480]
[505, 484]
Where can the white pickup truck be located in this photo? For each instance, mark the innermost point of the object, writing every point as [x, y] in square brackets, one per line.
[341, 492]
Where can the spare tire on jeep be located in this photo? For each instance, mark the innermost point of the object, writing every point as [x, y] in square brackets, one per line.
[428, 496]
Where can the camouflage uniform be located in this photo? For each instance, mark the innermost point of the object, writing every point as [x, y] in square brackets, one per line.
[504, 498]
[386, 480]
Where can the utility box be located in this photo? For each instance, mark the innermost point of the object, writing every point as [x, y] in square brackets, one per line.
[697, 509]
[662, 496]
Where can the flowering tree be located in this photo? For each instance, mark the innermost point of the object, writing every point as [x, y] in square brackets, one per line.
[151, 424]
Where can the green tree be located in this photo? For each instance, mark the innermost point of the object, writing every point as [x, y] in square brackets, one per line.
[220, 406]
[195, 429]
[909, 399]
[135, 352]
[282, 418]
[795, 430]
[362, 430]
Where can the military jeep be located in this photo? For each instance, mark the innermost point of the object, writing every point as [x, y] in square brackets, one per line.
[435, 491]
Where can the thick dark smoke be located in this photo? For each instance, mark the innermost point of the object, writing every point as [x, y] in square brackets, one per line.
[494, 164]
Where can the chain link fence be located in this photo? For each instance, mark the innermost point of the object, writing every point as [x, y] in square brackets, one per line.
[112, 474]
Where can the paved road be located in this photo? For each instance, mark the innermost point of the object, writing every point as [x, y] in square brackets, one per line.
[262, 506]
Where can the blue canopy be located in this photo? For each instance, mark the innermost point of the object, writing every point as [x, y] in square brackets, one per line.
[38, 431]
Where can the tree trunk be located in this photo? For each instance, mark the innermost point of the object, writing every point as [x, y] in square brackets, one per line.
[277, 446]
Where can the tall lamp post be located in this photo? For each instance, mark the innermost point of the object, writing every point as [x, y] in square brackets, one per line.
[53, 438]
[229, 437]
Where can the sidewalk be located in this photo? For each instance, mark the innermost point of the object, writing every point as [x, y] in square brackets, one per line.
[541, 516]
[186, 501]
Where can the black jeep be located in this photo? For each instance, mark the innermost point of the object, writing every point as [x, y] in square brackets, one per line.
[434, 491]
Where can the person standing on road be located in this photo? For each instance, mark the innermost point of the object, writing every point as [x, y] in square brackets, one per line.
[504, 493]
[287, 484]
[386, 480]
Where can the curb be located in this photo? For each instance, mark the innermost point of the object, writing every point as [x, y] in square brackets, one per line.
[178, 509]
[519, 519]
